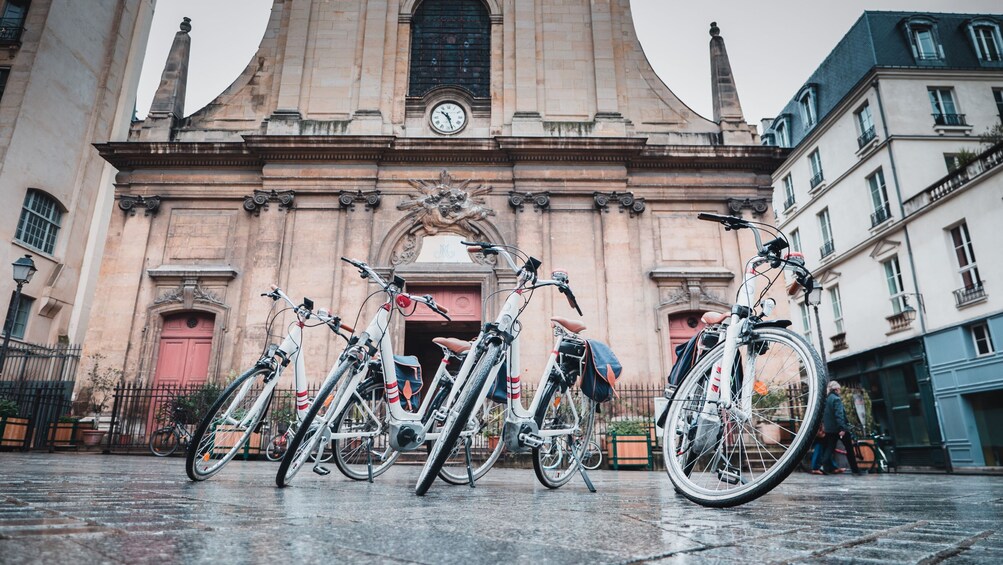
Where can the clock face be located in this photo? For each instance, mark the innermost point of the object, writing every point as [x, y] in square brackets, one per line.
[448, 117]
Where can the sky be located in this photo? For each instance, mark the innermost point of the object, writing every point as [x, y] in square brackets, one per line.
[774, 45]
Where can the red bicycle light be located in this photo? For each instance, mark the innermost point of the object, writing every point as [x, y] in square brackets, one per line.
[403, 301]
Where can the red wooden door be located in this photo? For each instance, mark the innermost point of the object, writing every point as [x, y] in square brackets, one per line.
[185, 343]
[463, 303]
[682, 327]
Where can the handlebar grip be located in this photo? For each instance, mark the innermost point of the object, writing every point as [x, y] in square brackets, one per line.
[442, 309]
[348, 328]
[273, 287]
[474, 249]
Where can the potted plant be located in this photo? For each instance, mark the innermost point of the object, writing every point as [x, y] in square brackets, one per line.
[492, 428]
[12, 428]
[628, 443]
[95, 396]
[767, 407]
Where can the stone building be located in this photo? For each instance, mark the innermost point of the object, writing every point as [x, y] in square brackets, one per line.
[68, 76]
[388, 131]
[890, 190]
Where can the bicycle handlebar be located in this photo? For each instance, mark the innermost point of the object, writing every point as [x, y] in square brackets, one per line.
[332, 321]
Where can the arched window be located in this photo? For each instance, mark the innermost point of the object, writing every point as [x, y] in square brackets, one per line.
[39, 221]
[451, 46]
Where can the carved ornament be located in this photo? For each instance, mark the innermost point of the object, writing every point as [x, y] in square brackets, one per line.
[188, 293]
[348, 199]
[757, 205]
[447, 203]
[626, 200]
[540, 200]
[255, 202]
[129, 202]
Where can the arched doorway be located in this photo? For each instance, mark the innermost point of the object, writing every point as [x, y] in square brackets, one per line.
[682, 327]
[185, 348]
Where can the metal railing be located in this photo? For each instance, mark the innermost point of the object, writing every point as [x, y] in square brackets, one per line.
[969, 294]
[40, 405]
[899, 321]
[949, 119]
[39, 362]
[788, 202]
[880, 215]
[866, 137]
[828, 248]
[838, 342]
[816, 180]
[984, 163]
[11, 30]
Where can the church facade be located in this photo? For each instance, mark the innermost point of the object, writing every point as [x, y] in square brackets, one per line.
[388, 131]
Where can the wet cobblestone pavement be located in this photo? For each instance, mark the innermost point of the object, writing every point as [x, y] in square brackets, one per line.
[91, 508]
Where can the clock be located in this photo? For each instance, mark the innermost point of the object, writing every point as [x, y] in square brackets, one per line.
[448, 117]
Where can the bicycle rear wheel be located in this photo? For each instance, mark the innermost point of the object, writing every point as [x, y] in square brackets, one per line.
[227, 427]
[557, 460]
[367, 415]
[866, 457]
[717, 456]
[276, 447]
[490, 422]
[458, 419]
[164, 442]
[593, 457]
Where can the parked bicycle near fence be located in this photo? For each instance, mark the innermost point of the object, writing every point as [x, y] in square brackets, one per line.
[240, 409]
[168, 439]
[745, 414]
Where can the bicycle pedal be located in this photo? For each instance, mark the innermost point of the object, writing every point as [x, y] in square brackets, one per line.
[321, 470]
[531, 440]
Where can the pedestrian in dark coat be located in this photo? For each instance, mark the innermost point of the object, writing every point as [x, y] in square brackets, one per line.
[836, 429]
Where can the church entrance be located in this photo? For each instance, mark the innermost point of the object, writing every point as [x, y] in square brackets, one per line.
[682, 327]
[464, 305]
[185, 346]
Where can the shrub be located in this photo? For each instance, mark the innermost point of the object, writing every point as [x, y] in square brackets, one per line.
[8, 409]
[635, 427]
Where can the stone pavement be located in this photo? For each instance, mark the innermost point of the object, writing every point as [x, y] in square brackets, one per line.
[90, 508]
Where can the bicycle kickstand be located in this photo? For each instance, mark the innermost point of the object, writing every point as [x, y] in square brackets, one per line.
[369, 458]
[581, 469]
[466, 455]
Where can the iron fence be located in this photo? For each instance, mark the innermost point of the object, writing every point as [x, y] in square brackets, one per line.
[39, 407]
[41, 363]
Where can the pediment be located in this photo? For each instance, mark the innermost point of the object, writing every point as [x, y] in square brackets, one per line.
[884, 248]
[829, 278]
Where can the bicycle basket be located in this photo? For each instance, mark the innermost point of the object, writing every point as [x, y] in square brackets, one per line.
[408, 381]
[602, 369]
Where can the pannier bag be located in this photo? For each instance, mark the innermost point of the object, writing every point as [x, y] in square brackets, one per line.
[408, 381]
[499, 391]
[686, 357]
[602, 369]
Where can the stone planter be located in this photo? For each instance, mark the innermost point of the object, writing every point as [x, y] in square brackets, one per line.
[65, 434]
[13, 431]
[93, 437]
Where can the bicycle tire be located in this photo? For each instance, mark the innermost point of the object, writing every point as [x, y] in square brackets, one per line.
[593, 456]
[350, 455]
[212, 442]
[566, 451]
[456, 421]
[706, 457]
[276, 447]
[304, 443]
[454, 468]
[164, 442]
[866, 457]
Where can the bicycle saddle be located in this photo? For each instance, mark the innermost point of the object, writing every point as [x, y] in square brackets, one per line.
[453, 344]
[570, 325]
[711, 318]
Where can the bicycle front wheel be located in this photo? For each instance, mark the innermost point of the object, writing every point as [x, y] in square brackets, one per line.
[593, 457]
[366, 416]
[164, 442]
[718, 455]
[486, 446]
[565, 418]
[457, 420]
[227, 427]
[276, 447]
[314, 431]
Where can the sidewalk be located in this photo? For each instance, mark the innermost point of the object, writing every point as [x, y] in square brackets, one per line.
[92, 508]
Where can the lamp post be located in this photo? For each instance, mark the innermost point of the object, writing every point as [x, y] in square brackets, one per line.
[814, 297]
[24, 269]
[910, 313]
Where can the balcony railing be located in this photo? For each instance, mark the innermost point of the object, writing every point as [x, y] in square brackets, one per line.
[838, 342]
[880, 215]
[817, 179]
[949, 119]
[957, 179]
[900, 321]
[11, 30]
[969, 294]
[828, 248]
[866, 137]
[789, 202]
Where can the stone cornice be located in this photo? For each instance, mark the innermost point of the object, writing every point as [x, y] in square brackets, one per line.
[257, 150]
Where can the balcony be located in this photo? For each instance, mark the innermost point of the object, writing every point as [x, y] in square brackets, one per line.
[828, 248]
[970, 295]
[838, 342]
[817, 179]
[11, 30]
[866, 137]
[788, 203]
[901, 321]
[961, 177]
[949, 120]
[880, 215]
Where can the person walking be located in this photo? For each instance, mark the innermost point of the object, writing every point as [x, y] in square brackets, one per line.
[836, 429]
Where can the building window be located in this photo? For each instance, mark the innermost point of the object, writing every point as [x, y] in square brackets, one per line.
[879, 198]
[796, 241]
[806, 323]
[4, 75]
[998, 96]
[39, 221]
[451, 46]
[788, 192]
[781, 132]
[924, 40]
[965, 254]
[12, 20]
[825, 229]
[896, 290]
[17, 321]
[986, 38]
[953, 161]
[815, 163]
[945, 111]
[837, 308]
[982, 338]
[865, 125]
[809, 108]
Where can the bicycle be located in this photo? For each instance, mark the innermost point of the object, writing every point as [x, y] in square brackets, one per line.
[166, 440]
[277, 445]
[591, 457]
[239, 411]
[365, 423]
[559, 417]
[759, 373]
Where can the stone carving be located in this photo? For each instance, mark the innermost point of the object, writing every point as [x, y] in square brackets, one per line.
[626, 200]
[757, 205]
[446, 204]
[347, 199]
[540, 200]
[188, 293]
[128, 203]
[406, 250]
[253, 203]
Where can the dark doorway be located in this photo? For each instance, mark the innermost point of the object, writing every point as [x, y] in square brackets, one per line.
[418, 342]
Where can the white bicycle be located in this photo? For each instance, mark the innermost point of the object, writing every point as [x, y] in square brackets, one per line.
[560, 417]
[240, 409]
[366, 424]
[745, 414]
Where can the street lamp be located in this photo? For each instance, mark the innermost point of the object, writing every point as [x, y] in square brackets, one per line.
[24, 269]
[813, 297]
[909, 313]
